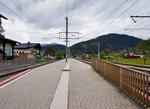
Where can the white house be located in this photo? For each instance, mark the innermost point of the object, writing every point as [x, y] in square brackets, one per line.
[26, 48]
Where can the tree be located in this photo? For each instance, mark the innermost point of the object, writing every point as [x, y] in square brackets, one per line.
[144, 46]
[59, 54]
[32, 50]
[49, 51]
[84, 47]
[108, 51]
[89, 56]
[114, 54]
[102, 55]
[93, 55]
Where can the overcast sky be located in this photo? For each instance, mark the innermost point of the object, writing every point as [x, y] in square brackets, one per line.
[39, 19]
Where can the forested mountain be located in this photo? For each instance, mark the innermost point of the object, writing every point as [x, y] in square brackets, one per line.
[113, 41]
[55, 46]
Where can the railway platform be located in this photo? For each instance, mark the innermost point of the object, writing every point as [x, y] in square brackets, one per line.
[63, 86]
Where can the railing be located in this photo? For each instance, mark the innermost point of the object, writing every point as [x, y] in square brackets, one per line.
[134, 83]
[11, 66]
[15, 62]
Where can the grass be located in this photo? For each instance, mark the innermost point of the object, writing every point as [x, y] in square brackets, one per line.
[40, 61]
[139, 61]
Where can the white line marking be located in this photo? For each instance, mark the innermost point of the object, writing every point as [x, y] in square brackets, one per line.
[67, 65]
[60, 100]
[22, 76]
[16, 79]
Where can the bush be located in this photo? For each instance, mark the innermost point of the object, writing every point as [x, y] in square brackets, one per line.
[102, 55]
[89, 56]
[59, 54]
[9, 58]
[84, 56]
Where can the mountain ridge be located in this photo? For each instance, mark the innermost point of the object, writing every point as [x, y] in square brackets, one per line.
[55, 46]
[113, 41]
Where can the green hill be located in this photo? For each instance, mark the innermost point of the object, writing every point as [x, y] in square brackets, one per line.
[55, 46]
[113, 41]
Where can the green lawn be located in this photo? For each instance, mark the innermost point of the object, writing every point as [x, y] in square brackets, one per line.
[40, 61]
[132, 61]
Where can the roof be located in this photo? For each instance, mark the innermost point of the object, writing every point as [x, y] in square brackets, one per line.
[2, 38]
[132, 55]
[28, 45]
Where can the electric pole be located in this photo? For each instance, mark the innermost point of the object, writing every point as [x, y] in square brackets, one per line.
[73, 34]
[66, 38]
[68, 35]
[98, 49]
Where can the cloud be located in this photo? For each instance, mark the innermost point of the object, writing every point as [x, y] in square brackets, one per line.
[45, 17]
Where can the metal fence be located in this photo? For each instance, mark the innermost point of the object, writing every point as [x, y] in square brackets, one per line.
[134, 83]
[15, 62]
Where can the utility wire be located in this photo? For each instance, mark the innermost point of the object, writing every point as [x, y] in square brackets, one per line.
[22, 11]
[115, 10]
[143, 23]
[118, 16]
[141, 28]
[53, 36]
[26, 16]
[74, 5]
[123, 29]
[13, 12]
[137, 29]
[131, 29]
[66, 7]
[20, 17]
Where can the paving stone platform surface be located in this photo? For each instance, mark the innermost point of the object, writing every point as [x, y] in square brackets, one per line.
[34, 90]
[89, 90]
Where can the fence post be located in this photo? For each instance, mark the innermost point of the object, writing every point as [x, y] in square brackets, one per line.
[96, 64]
[143, 90]
[147, 100]
[104, 69]
[91, 63]
[140, 88]
[121, 72]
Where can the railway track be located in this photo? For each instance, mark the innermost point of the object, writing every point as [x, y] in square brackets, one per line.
[8, 72]
[143, 68]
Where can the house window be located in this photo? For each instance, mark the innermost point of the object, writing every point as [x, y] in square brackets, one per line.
[1, 45]
[8, 49]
